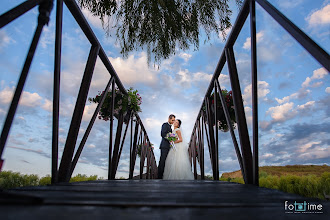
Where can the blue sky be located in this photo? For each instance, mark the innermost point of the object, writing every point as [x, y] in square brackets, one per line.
[294, 90]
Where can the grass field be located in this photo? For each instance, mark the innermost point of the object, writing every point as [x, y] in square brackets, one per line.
[306, 180]
[297, 170]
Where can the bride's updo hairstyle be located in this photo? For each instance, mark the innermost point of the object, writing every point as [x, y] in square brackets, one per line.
[179, 122]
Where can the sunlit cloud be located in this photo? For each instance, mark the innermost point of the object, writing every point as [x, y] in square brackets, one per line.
[317, 74]
[247, 44]
[319, 17]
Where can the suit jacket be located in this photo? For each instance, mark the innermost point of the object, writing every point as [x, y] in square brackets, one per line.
[166, 128]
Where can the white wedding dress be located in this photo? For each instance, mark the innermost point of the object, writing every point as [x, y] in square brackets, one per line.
[177, 165]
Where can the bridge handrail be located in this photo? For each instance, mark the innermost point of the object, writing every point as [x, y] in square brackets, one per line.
[63, 172]
[248, 160]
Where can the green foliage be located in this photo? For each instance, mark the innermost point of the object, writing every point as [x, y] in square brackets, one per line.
[161, 26]
[9, 179]
[46, 180]
[83, 177]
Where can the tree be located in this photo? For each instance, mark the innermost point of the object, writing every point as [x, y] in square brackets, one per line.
[161, 26]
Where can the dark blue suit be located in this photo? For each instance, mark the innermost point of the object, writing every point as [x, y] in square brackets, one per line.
[164, 148]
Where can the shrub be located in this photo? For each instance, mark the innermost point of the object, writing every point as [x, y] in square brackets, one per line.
[46, 180]
[83, 177]
[9, 179]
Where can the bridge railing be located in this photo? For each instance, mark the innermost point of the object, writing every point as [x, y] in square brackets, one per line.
[247, 158]
[63, 172]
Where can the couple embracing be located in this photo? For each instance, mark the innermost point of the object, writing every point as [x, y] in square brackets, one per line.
[174, 161]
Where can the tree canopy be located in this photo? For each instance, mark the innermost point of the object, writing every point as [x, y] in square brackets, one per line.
[161, 26]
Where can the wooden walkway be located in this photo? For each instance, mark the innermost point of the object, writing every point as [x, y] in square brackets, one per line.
[151, 199]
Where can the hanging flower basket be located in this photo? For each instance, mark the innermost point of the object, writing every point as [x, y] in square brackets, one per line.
[222, 122]
[124, 104]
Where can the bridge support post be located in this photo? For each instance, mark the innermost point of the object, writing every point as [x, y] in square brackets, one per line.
[65, 166]
[201, 148]
[240, 116]
[133, 151]
[254, 78]
[212, 141]
[56, 90]
[113, 163]
[230, 126]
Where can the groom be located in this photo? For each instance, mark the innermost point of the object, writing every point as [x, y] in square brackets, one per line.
[164, 145]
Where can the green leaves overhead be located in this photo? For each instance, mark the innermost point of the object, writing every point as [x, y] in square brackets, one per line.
[161, 26]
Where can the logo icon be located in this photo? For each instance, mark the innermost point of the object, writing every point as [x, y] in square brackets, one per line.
[300, 207]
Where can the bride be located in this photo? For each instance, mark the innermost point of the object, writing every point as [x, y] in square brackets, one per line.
[177, 165]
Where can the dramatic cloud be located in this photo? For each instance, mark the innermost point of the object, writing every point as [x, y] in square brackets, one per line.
[319, 17]
[301, 144]
[327, 90]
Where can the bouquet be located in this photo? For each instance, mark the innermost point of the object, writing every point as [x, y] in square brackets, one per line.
[171, 137]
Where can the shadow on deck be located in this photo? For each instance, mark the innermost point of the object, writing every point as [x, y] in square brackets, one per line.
[153, 199]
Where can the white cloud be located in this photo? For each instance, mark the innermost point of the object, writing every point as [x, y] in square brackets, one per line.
[327, 90]
[134, 70]
[306, 105]
[4, 39]
[247, 44]
[185, 56]
[27, 99]
[297, 95]
[262, 91]
[48, 105]
[89, 111]
[282, 112]
[48, 36]
[319, 17]
[303, 148]
[152, 124]
[185, 79]
[223, 80]
[267, 155]
[317, 74]
[91, 146]
[93, 20]
[248, 114]
[289, 4]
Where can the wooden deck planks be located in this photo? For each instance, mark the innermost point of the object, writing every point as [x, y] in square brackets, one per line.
[151, 199]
